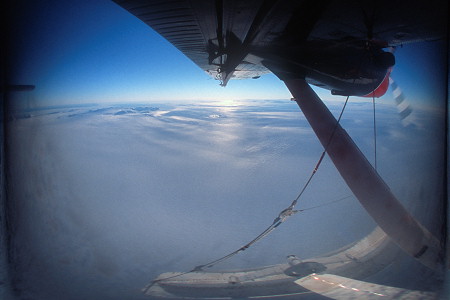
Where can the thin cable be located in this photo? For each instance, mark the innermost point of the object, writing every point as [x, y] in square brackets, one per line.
[282, 216]
[210, 264]
[374, 132]
[322, 155]
[268, 230]
[326, 203]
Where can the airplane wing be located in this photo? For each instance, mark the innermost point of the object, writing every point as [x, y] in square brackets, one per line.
[357, 260]
[337, 45]
[230, 39]
[342, 288]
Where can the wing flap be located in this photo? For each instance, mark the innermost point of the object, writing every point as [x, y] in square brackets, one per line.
[342, 288]
[220, 36]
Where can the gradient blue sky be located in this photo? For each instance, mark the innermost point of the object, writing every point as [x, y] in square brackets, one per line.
[95, 51]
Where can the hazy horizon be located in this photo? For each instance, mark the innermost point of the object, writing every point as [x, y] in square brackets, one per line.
[111, 196]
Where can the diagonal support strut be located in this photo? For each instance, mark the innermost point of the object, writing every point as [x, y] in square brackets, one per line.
[364, 181]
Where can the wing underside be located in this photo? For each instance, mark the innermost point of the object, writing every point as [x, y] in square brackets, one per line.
[229, 39]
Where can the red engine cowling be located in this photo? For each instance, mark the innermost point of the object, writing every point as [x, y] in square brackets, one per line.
[382, 88]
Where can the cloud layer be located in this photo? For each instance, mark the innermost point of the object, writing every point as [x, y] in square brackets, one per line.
[105, 198]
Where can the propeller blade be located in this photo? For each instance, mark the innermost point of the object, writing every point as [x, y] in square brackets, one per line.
[403, 106]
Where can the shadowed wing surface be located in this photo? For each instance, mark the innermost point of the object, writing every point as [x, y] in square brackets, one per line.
[229, 39]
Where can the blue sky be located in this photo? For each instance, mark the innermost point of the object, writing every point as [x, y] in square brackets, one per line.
[95, 51]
